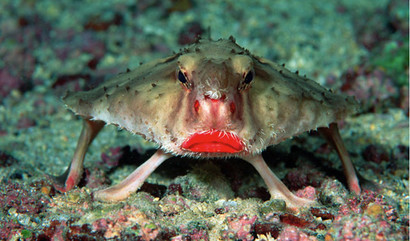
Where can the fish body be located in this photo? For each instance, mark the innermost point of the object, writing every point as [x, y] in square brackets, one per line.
[212, 99]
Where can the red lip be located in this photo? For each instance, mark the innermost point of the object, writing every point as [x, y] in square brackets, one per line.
[214, 141]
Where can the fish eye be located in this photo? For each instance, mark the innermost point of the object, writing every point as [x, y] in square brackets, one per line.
[181, 77]
[248, 78]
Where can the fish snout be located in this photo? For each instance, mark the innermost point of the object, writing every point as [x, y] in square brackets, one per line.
[215, 111]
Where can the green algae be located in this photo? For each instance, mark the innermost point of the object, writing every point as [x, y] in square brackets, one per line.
[26, 234]
[273, 205]
[394, 59]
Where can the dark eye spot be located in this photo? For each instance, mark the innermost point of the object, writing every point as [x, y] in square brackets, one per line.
[181, 77]
[248, 77]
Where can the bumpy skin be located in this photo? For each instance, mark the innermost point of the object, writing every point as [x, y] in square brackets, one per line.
[213, 86]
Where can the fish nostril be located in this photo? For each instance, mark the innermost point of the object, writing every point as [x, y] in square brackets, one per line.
[196, 106]
[222, 98]
[232, 106]
[209, 98]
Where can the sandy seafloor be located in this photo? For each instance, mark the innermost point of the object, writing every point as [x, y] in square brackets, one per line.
[358, 47]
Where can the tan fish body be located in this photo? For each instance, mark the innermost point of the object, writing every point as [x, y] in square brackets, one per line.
[213, 99]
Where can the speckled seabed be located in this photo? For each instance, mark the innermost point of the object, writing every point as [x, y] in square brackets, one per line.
[48, 47]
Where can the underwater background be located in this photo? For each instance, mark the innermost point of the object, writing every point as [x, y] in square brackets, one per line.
[356, 47]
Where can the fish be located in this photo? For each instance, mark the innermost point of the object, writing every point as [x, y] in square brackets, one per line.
[212, 99]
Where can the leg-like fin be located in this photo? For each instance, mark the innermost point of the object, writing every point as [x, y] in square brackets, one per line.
[134, 181]
[72, 175]
[276, 188]
[333, 137]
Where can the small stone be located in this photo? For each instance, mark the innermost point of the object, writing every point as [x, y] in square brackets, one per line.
[308, 192]
[333, 192]
[45, 190]
[322, 213]
[294, 220]
[374, 210]
[328, 237]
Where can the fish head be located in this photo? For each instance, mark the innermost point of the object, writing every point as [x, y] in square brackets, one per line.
[214, 88]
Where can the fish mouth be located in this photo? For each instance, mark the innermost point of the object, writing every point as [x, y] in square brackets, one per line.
[214, 141]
